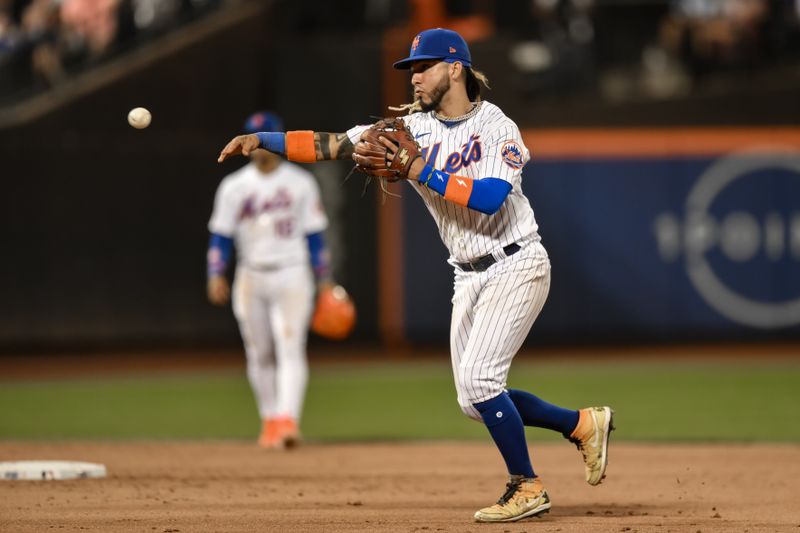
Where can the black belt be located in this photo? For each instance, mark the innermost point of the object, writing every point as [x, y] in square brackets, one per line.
[482, 263]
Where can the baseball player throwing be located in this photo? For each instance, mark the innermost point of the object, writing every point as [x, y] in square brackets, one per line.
[271, 210]
[464, 157]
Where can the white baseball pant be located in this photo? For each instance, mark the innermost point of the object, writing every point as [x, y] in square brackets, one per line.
[493, 311]
[273, 308]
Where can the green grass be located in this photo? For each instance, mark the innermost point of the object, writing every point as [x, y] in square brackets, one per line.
[661, 401]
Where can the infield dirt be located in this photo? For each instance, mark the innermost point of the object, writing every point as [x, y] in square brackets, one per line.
[171, 487]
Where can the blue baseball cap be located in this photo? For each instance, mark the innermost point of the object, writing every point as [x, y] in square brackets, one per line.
[263, 121]
[437, 43]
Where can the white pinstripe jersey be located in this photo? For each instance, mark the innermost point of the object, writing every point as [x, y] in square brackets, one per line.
[488, 144]
[269, 215]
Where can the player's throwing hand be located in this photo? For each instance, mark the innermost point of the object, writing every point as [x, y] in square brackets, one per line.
[242, 144]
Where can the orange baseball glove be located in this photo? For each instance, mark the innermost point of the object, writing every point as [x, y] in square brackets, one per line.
[335, 314]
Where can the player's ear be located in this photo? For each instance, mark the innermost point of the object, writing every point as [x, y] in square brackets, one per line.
[456, 68]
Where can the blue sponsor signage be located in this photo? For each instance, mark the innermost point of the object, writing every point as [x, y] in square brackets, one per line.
[667, 248]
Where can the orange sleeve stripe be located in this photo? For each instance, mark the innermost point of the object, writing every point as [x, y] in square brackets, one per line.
[300, 146]
[458, 189]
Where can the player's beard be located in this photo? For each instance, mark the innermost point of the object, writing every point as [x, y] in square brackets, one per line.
[437, 94]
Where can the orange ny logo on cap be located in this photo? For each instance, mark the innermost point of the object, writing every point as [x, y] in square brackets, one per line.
[415, 43]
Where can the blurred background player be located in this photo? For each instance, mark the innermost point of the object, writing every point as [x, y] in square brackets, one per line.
[271, 210]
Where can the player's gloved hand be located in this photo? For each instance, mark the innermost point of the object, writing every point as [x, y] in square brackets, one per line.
[387, 149]
[219, 290]
[241, 144]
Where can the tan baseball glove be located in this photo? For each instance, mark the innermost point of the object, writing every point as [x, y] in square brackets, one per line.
[391, 162]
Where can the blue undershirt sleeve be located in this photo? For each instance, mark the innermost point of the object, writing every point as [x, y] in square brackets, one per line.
[220, 249]
[320, 261]
[488, 194]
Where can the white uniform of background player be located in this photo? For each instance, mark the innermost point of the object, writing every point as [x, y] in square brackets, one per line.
[269, 215]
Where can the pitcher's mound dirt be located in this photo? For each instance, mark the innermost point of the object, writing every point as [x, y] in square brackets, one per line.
[171, 487]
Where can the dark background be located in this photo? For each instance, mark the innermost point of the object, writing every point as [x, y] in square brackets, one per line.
[104, 227]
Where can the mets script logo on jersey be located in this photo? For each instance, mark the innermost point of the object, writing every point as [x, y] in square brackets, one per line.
[471, 152]
[512, 155]
[250, 209]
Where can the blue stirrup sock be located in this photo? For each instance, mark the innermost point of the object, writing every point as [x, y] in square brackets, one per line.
[505, 426]
[536, 412]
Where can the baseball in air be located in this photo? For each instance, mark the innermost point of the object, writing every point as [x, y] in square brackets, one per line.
[139, 118]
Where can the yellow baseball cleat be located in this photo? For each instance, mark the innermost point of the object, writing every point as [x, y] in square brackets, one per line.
[591, 437]
[524, 497]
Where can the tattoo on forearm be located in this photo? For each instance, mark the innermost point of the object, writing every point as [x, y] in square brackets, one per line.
[322, 146]
[332, 146]
[345, 147]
